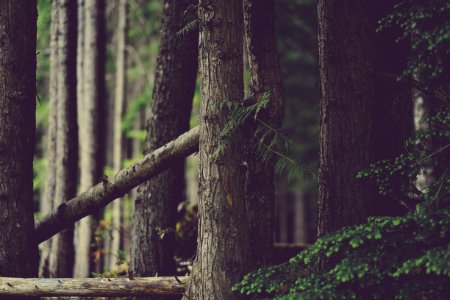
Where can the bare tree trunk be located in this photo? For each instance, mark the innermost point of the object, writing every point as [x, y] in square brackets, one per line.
[90, 120]
[223, 239]
[265, 77]
[347, 104]
[18, 247]
[156, 205]
[65, 172]
[393, 116]
[358, 124]
[119, 106]
[50, 174]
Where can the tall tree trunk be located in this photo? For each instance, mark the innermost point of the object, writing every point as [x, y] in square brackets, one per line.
[393, 113]
[119, 106]
[90, 119]
[18, 248]
[50, 174]
[61, 181]
[156, 204]
[355, 106]
[265, 77]
[223, 245]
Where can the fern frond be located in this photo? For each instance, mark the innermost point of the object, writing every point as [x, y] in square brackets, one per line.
[192, 25]
[269, 143]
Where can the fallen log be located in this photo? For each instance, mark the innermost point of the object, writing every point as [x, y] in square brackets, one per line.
[92, 287]
[115, 187]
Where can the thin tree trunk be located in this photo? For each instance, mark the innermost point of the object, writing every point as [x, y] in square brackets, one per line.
[18, 247]
[91, 121]
[223, 239]
[156, 204]
[50, 174]
[119, 105]
[356, 107]
[265, 77]
[62, 249]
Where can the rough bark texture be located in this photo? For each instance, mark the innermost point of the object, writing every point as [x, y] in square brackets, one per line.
[223, 245]
[119, 106]
[62, 249]
[92, 287]
[157, 200]
[18, 248]
[114, 187]
[265, 76]
[358, 125]
[90, 120]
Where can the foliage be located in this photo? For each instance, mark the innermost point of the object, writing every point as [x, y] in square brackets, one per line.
[387, 258]
[428, 23]
[190, 17]
[429, 149]
[267, 142]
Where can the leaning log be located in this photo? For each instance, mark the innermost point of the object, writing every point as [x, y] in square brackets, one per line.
[92, 287]
[115, 187]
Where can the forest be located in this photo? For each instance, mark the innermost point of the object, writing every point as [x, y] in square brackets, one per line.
[224, 149]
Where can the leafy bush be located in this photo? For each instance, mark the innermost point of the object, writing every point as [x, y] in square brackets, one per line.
[404, 257]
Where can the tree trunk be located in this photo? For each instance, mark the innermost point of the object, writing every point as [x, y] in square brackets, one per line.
[393, 116]
[90, 120]
[50, 172]
[265, 76]
[65, 172]
[18, 248]
[356, 107]
[119, 106]
[156, 204]
[223, 239]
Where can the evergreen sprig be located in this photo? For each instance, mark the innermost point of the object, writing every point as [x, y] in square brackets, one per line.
[268, 142]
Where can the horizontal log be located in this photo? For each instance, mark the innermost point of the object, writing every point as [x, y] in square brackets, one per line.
[92, 287]
[118, 185]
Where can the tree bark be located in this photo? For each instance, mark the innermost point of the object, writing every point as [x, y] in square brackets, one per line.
[90, 120]
[156, 204]
[62, 249]
[18, 248]
[119, 106]
[393, 116]
[222, 245]
[92, 287]
[265, 77]
[356, 107]
[109, 189]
